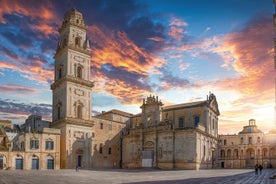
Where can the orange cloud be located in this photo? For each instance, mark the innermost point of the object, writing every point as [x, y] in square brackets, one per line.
[11, 88]
[35, 73]
[42, 11]
[177, 28]
[116, 49]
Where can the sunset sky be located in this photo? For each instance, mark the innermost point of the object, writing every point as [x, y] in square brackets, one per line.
[179, 50]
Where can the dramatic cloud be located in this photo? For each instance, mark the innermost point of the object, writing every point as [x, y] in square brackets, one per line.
[24, 110]
[116, 59]
[12, 88]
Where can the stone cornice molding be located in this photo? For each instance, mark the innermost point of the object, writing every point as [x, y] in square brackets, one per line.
[75, 80]
[73, 121]
[59, 51]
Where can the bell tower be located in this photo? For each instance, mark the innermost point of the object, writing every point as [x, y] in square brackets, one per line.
[72, 91]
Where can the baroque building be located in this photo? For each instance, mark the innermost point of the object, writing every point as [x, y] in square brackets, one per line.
[40, 150]
[182, 136]
[249, 147]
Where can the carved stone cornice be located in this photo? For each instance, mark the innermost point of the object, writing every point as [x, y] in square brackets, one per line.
[72, 23]
[59, 51]
[72, 121]
[75, 80]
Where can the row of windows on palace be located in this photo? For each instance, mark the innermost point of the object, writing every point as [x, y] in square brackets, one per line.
[34, 144]
[249, 153]
[250, 141]
[181, 122]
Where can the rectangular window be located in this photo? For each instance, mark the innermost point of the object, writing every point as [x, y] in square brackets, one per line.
[109, 151]
[181, 122]
[34, 144]
[49, 145]
[101, 125]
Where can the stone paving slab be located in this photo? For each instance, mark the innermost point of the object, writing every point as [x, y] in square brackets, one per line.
[149, 176]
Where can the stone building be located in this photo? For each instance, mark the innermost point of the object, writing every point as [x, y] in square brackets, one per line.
[182, 136]
[31, 150]
[249, 147]
[107, 138]
[34, 123]
[86, 141]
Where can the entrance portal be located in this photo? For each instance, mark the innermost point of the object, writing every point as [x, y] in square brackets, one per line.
[147, 158]
[79, 160]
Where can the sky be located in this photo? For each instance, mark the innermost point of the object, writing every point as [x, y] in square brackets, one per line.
[179, 50]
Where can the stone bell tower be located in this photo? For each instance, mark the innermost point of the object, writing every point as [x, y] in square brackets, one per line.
[72, 91]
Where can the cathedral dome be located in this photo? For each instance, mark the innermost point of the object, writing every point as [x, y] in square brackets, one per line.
[251, 128]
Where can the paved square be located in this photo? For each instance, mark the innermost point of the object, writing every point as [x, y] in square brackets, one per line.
[151, 176]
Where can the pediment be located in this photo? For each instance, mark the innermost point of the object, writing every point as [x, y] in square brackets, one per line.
[214, 105]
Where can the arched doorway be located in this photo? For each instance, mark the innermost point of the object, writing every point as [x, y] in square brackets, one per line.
[18, 162]
[35, 162]
[250, 156]
[79, 157]
[50, 162]
[2, 162]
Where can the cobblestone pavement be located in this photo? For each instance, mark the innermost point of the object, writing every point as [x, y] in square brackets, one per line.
[231, 176]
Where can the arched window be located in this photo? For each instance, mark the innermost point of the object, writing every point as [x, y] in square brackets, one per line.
[236, 154]
[59, 112]
[250, 140]
[50, 162]
[18, 162]
[79, 72]
[77, 41]
[79, 111]
[229, 153]
[196, 121]
[35, 162]
[59, 73]
[241, 140]
[101, 149]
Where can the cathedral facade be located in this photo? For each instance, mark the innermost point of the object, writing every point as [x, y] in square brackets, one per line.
[182, 136]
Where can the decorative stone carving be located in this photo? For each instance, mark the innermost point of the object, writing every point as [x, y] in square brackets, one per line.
[79, 92]
[79, 59]
[79, 134]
